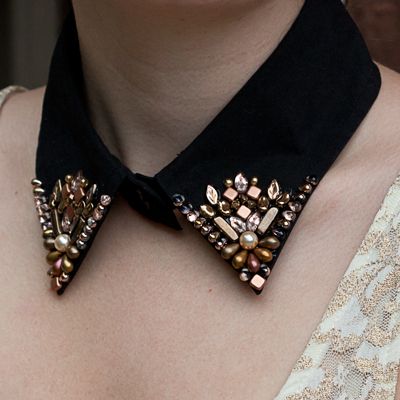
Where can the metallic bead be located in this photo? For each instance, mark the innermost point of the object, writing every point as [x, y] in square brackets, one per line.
[55, 269]
[66, 264]
[49, 243]
[178, 199]
[221, 243]
[53, 256]
[248, 240]
[64, 277]
[257, 282]
[264, 255]
[97, 214]
[192, 216]
[237, 224]
[241, 183]
[301, 197]
[254, 181]
[55, 284]
[228, 182]
[72, 252]
[274, 190]
[207, 211]
[312, 179]
[91, 222]
[47, 233]
[61, 242]
[244, 275]
[230, 250]
[84, 237]
[295, 206]
[68, 178]
[284, 223]
[38, 191]
[239, 259]
[224, 207]
[36, 182]
[186, 208]
[213, 236]
[251, 204]
[212, 195]
[269, 242]
[243, 212]
[306, 188]
[80, 245]
[283, 199]
[289, 215]
[105, 200]
[199, 222]
[206, 229]
[264, 271]
[263, 203]
[253, 263]
[235, 204]
[278, 232]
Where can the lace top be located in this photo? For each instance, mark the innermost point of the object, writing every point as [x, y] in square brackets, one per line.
[354, 352]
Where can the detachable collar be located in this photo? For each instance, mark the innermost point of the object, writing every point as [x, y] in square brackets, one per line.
[291, 119]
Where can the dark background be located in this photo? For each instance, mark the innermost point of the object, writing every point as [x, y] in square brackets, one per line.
[28, 30]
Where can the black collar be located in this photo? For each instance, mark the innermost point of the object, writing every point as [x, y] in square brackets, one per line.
[291, 119]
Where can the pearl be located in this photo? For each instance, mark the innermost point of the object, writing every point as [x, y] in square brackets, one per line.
[62, 242]
[248, 240]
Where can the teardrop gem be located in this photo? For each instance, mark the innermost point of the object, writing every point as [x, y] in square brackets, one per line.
[237, 224]
[253, 221]
[212, 195]
[241, 183]
[274, 190]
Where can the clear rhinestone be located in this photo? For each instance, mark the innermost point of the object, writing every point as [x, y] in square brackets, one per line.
[237, 224]
[241, 183]
[105, 200]
[289, 215]
[192, 216]
[274, 190]
[206, 229]
[212, 195]
[253, 221]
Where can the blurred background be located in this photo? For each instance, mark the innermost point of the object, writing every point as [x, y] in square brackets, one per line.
[28, 31]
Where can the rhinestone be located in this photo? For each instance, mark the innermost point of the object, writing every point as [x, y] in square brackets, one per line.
[192, 216]
[253, 222]
[237, 224]
[105, 200]
[312, 179]
[212, 195]
[178, 199]
[241, 183]
[295, 206]
[274, 190]
[289, 215]
[186, 208]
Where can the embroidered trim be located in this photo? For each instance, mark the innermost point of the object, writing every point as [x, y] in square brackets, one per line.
[246, 224]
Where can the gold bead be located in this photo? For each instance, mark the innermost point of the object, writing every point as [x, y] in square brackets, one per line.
[207, 211]
[52, 257]
[229, 250]
[306, 188]
[285, 197]
[239, 260]
[66, 264]
[264, 255]
[68, 178]
[72, 252]
[269, 242]
[254, 181]
[263, 203]
[224, 207]
[38, 191]
[49, 243]
[48, 233]
[228, 182]
[36, 182]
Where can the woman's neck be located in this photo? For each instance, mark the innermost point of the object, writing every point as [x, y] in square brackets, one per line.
[157, 72]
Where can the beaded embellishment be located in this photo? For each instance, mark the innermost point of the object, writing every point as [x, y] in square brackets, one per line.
[246, 224]
[68, 217]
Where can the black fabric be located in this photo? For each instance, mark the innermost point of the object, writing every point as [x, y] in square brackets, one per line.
[291, 119]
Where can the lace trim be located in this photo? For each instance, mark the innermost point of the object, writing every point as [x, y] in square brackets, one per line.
[354, 352]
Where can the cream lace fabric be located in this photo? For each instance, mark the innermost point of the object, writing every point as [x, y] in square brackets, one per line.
[354, 352]
[6, 92]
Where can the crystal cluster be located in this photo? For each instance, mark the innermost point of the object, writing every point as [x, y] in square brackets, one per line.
[248, 224]
[68, 218]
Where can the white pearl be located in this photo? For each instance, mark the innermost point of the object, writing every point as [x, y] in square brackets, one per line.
[62, 242]
[248, 240]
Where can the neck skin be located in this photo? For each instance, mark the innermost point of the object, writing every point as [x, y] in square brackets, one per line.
[156, 74]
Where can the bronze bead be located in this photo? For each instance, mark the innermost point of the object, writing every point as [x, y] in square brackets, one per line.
[263, 203]
[269, 242]
[264, 255]
[48, 233]
[254, 181]
[229, 250]
[239, 260]
[228, 182]
[68, 178]
[49, 243]
[72, 252]
[66, 264]
[224, 207]
[52, 257]
[283, 199]
[306, 188]
[235, 204]
[207, 211]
